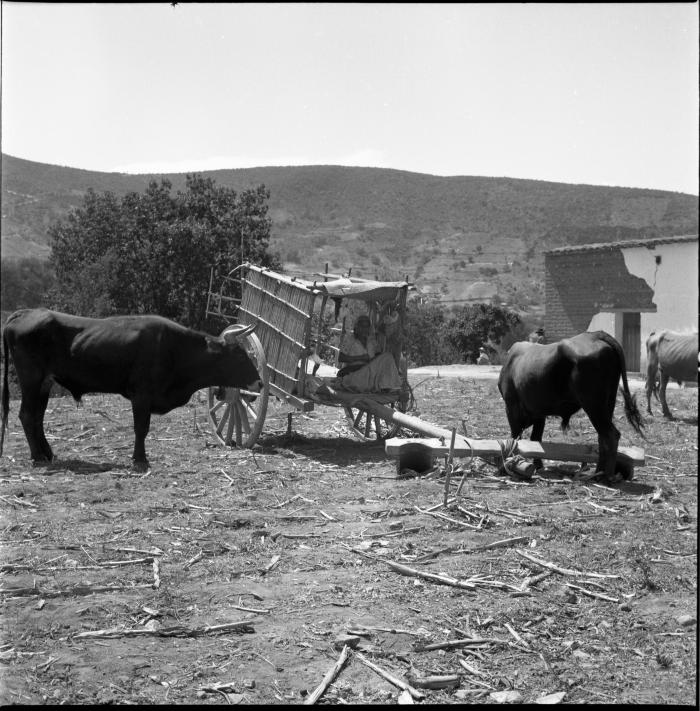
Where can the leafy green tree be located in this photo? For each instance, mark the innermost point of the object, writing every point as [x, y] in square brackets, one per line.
[476, 324]
[425, 342]
[24, 283]
[152, 252]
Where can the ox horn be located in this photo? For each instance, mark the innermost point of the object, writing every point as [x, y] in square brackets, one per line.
[234, 333]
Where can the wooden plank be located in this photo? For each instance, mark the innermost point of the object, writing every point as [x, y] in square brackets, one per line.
[559, 451]
[567, 452]
[463, 447]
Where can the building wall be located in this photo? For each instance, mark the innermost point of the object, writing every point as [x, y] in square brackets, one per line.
[580, 285]
[589, 290]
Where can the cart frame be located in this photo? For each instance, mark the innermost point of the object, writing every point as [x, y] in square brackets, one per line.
[283, 310]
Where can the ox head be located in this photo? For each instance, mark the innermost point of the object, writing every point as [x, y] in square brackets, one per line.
[237, 367]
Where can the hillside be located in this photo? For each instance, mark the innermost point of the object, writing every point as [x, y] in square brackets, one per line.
[458, 237]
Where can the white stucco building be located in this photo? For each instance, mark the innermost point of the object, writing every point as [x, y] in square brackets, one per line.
[628, 289]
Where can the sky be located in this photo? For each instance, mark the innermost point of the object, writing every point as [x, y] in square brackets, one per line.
[601, 94]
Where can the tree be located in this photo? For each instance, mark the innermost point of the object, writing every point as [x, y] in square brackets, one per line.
[476, 324]
[425, 342]
[24, 283]
[152, 252]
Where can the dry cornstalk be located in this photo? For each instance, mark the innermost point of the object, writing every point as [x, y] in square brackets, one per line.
[532, 579]
[153, 551]
[193, 560]
[434, 682]
[455, 643]
[400, 532]
[486, 546]
[558, 569]
[390, 677]
[516, 636]
[328, 678]
[77, 590]
[250, 609]
[15, 500]
[391, 630]
[174, 631]
[599, 596]
[442, 516]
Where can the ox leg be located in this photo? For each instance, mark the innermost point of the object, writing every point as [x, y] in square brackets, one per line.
[35, 398]
[662, 396]
[649, 388]
[600, 413]
[142, 423]
[536, 436]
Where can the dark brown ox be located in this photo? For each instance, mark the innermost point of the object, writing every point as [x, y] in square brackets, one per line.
[155, 363]
[559, 379]
[670, 356]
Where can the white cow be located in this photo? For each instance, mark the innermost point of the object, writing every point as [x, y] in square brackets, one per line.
[670, 355]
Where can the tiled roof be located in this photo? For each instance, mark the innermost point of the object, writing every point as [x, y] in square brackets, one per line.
[617, 245]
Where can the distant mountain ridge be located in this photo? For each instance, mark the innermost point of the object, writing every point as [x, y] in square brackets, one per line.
[459, 238]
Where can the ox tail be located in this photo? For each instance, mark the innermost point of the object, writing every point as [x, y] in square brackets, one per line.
[5, 392]
[634, 417]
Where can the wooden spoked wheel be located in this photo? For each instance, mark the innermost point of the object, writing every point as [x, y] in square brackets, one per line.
[367, 426]
[237, 415]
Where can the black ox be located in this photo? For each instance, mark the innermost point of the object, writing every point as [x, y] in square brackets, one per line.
[559, 379]
[156, 363]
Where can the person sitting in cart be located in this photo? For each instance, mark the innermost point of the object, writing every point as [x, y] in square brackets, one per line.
[364, 368]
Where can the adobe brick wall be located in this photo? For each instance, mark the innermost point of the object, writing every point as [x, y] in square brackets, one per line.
[579, 285]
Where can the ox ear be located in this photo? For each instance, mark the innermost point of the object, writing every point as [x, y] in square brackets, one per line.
[233, 334]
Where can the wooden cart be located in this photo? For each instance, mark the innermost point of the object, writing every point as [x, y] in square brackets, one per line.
[289, 314]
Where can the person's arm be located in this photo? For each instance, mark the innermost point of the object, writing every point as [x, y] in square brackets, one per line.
[347, 358]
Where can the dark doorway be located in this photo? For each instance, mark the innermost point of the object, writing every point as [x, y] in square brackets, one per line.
[631, 337]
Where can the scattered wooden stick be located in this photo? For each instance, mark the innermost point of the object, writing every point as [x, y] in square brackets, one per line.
[16, 500]
[516, 636]
[405, 686]
[599, 596]
[411, 572]
[487, 546]
[455, 643]
[193, 560]
[400, 532]
[231, 481]
[442, 516]
[77, 590]
[561, 571]
[174, 631]
[250, 609]
[328, 679]
[386, 629]
[435, 681]
[448, 467]
[533, 579]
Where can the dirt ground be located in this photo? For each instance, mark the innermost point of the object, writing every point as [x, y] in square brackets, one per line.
[126, 587]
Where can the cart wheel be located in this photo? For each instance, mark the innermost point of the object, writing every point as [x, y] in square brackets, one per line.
[237, 415]
[367, 426]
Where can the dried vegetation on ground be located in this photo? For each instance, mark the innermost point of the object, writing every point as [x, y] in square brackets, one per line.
[245, 576]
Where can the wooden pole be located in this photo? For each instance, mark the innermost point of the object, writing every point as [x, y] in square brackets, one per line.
[448, 467]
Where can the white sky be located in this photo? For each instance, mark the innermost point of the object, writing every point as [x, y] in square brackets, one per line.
[605, 94]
